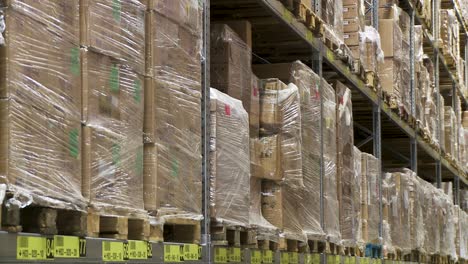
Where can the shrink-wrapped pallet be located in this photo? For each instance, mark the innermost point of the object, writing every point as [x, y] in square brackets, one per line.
[370, 49]
[40, 103]
[357, 194]
[428, 230]
[450, 131]
[115, 28]
[308, 84]
[330, 196]
[461, 234]
[113, 134]
[332, 15]
[230, 160]
[231, 70]
[173, 105]
[265, 230]
[399, 188]
[345, 165]
[370, 198]
[447, 226]
[280, 120]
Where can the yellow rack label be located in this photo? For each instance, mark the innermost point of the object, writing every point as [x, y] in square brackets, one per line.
[330, 259]
[255, 257]
[137, 249]
[220, 255]
[293, 258]
[352, 260]
[315, 258]
[112, 251]
[33, 248]
[284, 258]
[66, 247]
[191, 252]
[337, 259]
[234, 255]
[267, 256]
[172, 253]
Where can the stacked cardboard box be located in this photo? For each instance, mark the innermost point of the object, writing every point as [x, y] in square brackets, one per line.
[308, 84]
[349, 207]
[450, 35]
[230, 160]
[113, 97]
[353, 24]
[461, 236]
[173, 108]
[370, 199]
[40, 102]
[358, 194]
[398, 187]
[450, 130]
[394, 73]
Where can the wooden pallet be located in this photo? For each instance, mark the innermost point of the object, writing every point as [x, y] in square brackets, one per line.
[117, 227]
[267, 245]
[334, 249]
[42, 220]
[176, 229]
[353, 251]
[307, 17]
[418, 256]
[234, 236]
[317, 246]
[390, 100]
[260, 239]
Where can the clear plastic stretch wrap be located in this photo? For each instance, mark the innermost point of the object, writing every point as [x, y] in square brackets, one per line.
[449, 33]
[330, 193]
[280, 119]
[345, 165]
[308, 84]
[417, 217]
[388, 189]
[231, 70]
[450, 131]
[371, 49]
[462, 235]
[332, 15]
[40, 103]
[265, 230]
[230, 160]
[426, 200]
[113, 136]
[173, 106]
[370, 199]
[357, 192]
[115, 28]
[464, 199]
[447, 226]
[400, 186]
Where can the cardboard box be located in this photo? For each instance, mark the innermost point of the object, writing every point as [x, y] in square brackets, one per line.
[112, 92]
[266, 158]
[230, 160]
[115, 28]
[351, 25]
[114, 168]
[387, 37]
[188, 13]
[351, 39]
[254, 113]
[350, 11]
[270, 106]
[370, 201]
[150, 178]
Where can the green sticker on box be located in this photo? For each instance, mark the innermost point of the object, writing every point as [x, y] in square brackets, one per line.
[256, 257]
[234, 255]
[267, 256]
[137, 90]
[66, 247]
[75, 61]
[116, 10]
[116, 153]
[137, 249]
[191, 252]
[74, 142]
[112, 251]
[293, 258]
[220, 255]
[114, 78]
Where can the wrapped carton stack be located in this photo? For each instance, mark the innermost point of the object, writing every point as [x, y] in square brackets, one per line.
[40, 103]
[308, 84]
[450, 36]
[173, 109]
[113, 104]
[332, 15]
[370, 199]
[230, 161]
[451, 133]
[394, 73]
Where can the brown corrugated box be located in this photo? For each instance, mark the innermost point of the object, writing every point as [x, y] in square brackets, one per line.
[254, 113]
[150, 179]
[112, 92]
[350, 11]
[270, 109]
[115, 28]
[351, 25]
[351, 38]
[266, 158]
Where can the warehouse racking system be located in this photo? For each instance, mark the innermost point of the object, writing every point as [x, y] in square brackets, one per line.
[280, 37]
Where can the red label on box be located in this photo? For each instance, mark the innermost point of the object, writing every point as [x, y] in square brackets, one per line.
[227, 110]
[255, 91]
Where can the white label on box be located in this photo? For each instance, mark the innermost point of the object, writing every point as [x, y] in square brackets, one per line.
[346, 22]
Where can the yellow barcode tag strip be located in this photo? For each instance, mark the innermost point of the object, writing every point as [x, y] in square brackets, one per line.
[172, 253]
[137, 249]
[66, 247]
[220, 255]
[191, 252]
[112, 251]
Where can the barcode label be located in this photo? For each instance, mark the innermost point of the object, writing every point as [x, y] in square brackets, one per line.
[59, 241]
[132, 245]
[24, 242]
[167, 249]
[107, 246]
[217, 251]
[186, 248]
